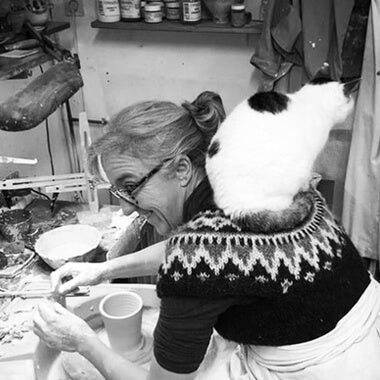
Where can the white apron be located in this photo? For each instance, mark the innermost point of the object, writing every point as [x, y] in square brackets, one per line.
[361, 205]
[351, 351]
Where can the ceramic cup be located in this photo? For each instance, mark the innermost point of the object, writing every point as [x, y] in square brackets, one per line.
[121, 313]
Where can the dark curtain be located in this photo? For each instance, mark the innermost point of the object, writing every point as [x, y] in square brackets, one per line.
[301, 36]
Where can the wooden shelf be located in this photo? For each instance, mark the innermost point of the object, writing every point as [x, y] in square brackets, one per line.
[206, 26]
[10, 67]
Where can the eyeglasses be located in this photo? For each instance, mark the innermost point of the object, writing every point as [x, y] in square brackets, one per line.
[128, 192]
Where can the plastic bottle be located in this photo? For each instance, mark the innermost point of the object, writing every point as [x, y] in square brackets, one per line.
[108, 10]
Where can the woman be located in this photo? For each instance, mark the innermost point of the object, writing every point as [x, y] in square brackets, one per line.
[154, 156]
[269, 268]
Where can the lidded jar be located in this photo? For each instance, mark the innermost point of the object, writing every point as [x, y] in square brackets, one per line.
[238, 15]
[172, 10]
[153, 13]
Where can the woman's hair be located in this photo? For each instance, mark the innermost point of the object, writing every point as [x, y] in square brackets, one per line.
[155, 131]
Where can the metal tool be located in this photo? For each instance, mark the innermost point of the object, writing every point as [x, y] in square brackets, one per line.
[48, 45]
[41, 293]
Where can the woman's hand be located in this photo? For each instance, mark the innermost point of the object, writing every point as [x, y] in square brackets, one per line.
[78, 274]
[60, 329]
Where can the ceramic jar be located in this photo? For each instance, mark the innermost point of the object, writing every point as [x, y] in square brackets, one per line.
[37, 12]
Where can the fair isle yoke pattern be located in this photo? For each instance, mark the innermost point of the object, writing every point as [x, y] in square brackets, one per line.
[212, 250]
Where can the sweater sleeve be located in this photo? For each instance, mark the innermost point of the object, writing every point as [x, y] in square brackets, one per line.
[183, 331]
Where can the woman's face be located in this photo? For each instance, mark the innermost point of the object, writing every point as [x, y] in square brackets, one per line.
[160, 197]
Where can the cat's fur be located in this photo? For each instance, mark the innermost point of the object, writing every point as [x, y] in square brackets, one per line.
[265, 158]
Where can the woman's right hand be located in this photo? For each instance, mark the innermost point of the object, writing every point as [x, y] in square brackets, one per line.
[78, 274]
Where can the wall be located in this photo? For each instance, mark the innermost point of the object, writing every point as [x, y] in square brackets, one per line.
[123, 67]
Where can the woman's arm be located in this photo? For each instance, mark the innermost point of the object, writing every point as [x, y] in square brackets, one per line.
[141, 263]
[110, 364]
[114, 367]
[62, 330]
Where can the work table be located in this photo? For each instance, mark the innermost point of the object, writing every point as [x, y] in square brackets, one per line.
[17, 341]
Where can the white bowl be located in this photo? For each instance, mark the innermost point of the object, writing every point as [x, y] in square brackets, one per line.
[73, 242]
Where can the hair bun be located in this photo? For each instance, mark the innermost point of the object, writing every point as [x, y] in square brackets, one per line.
[207, 111]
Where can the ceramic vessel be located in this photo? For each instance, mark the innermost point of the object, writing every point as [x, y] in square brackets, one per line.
[72, 242]
[220, 10]
[37, 12]
[121, 313]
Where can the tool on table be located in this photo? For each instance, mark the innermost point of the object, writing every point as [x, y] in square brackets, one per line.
[20, 45]
[82, 292]
[17, 160]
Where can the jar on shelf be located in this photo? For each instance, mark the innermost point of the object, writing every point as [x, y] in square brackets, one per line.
[161, 4]
[37, 12]
[172, 10]
[130, 10]
[190, 11]
[152, 13]
[142, 9]
[239, 16]
[108, 10]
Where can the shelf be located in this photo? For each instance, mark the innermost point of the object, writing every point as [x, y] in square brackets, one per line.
[55, 27]
[206, 26]
[10, 67]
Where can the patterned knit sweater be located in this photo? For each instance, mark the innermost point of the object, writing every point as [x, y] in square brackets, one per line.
[294, 284]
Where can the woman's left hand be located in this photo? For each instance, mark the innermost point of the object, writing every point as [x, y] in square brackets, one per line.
[59, 328]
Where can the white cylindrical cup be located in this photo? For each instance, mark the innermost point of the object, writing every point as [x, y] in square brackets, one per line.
[121, 313]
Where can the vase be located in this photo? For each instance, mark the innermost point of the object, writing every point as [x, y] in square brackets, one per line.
[220, 10]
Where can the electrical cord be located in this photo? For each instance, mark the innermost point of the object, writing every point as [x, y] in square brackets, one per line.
[49, 147]
[41, 194]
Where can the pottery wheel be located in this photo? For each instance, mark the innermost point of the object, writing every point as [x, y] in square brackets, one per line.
[76, 367]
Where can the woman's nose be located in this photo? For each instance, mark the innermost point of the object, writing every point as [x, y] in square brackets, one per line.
[128, 208]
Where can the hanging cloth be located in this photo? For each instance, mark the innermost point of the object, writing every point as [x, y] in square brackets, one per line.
[298, 37]
[361, 205]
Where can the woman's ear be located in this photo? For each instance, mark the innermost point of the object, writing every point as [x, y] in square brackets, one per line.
[184, 170]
